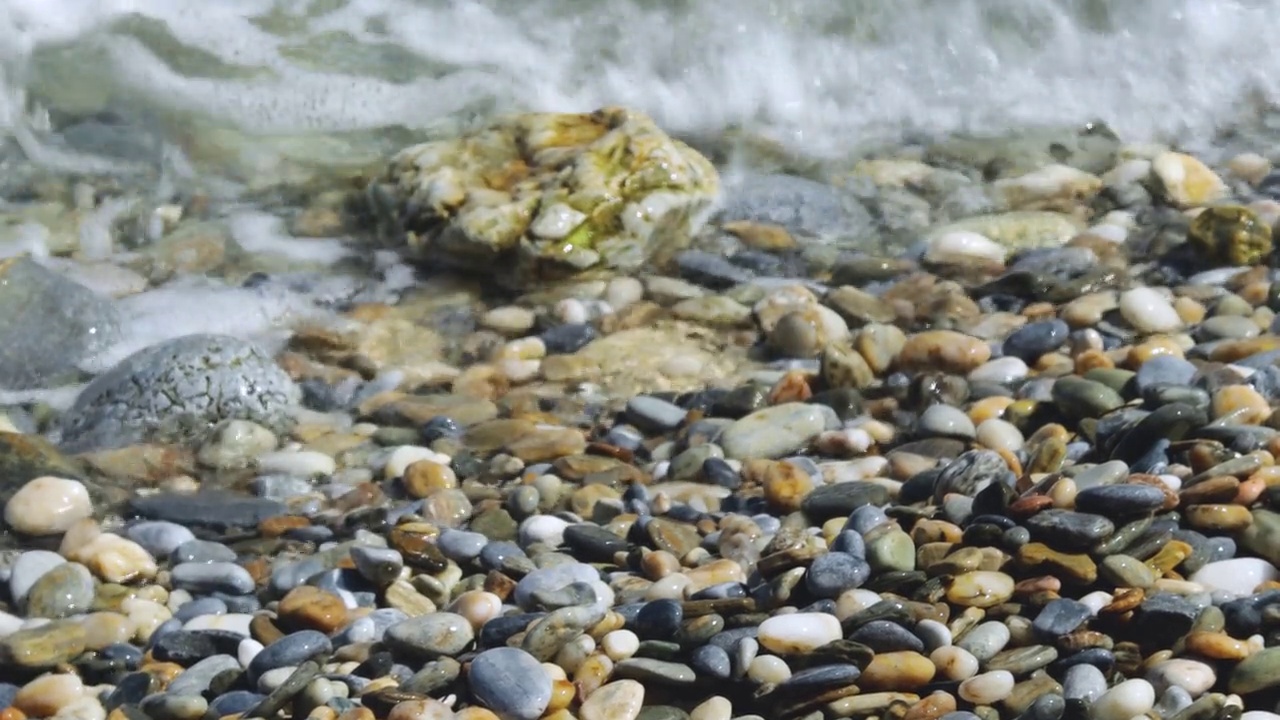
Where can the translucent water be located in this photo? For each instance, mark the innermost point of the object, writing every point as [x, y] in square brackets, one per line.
[818, 75]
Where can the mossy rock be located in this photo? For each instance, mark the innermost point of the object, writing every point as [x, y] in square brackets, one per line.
[1230, 235]
[546, 196]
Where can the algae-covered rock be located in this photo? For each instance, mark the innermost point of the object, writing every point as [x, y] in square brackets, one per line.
[1230, 235]
[546, 196]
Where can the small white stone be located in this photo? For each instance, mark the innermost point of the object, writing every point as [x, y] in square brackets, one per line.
[998, 434]
[1191, 675]
[798, 632]
[768, 669]
[620, 644]
[1150, 311]
[1186, 181]
[1250, 167]
[247, 651]
[1000, 370]
[116, 559]
[508, 319]
[954, 663]
[546, 529]
[1124, 701]
[1097, 600]
[618, 700]
[274, 678]
[963, 244]
[1238, 576]
[47, 505]
[987, 688]
[622, 292]
[572, 311]
[300, 463]
[716, 707]
[237, 623]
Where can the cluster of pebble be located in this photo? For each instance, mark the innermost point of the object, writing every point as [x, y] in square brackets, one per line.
[1025, 468]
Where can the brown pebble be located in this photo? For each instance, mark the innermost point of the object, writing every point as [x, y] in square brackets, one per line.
[1221, 518]
[793, 386]
[1078, 568]
[1124, 600]
[310, 608]
[1246, 405]
[931, 707]
[1169, 557]
[1031, 586]
[1216, 646]
[904, 670]
[943, 350]
[424, 477]
[1219, 488]
[274, 527]
[785, 486]
[262, 629]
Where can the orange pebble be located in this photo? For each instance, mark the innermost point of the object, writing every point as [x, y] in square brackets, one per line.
[1250, 490]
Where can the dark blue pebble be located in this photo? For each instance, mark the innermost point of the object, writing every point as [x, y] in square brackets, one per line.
[440, 426]
[629, 612]
[129, 690]
[243, 604]
[1060, 616]
[567, 338]
[831, 574]
[235, 702]
[8, 692]
[207, 509]
[885, 636]
[1120, 500]
[1164, 617]
[659, 620]
[497, 631]
[1034, 339]
[292, 649]
[716, 471]
[711, 661]
[729, 638]
[1101, 658]
[1155, 460]
[183, 647]
[850, 543]
[823, 676]
[821, 606]
[127, 655]
[1163, 370]
[168, 626]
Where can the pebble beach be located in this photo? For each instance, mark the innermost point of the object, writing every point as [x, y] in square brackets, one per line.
[600, 430]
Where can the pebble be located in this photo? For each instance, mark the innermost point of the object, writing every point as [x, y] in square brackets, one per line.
[799, 632]
[511, 683]
[47, 506]
[1125, 700]
[1149, 311]
[775, 431]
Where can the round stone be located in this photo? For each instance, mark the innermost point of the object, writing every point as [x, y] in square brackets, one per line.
[1149, 311]
[47, 506]
[798, 632]
[511, 683]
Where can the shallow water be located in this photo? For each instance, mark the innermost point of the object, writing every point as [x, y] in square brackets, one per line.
[251, 91]
[821, 76]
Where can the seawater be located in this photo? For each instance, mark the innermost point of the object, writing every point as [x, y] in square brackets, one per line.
[819, 76]
[332, 81]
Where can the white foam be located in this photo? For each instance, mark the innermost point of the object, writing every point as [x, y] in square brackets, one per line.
[260, 232]
[819, 75]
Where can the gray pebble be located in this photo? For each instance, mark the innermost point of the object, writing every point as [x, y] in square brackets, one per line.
[510, 682]
[202, 551]
[158, 537]
[202, 578]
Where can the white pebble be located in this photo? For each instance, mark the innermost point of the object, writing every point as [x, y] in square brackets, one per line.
[954, 663]
[620, 644]
[572, 311]
[47, 505]
[1149, 311]
[768, 669]
[9, 624]
[716, 707]
[237, 623]
[1124, 701]
[964, 244]
[247, 650]
[987, 688]
[798, 632]
[998, 434]
[1001, 370]
[300, 463]
[1097, 600]
[1191, 675]
[623, 292]
[1238, 576]
[546, 529]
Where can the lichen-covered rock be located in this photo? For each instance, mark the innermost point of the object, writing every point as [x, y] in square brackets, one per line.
[1230, 235]
[178, 391]
[546, 196]
[48, 324]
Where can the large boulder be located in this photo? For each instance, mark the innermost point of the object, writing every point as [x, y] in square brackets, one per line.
[177, 392]
[545, 196]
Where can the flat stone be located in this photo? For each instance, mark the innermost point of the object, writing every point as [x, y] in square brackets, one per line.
[207, 509]
[840, 499]
[290, 650]
[1060, 616]
[1069, 530]
[1115, 501]
[775, 431]
[430, 636]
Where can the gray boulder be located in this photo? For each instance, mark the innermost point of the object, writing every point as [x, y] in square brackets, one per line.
[177, 392]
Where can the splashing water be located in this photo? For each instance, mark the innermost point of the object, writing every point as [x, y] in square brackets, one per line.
[820, 76]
